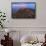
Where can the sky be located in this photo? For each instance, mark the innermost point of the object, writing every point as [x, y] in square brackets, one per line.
[18, 6]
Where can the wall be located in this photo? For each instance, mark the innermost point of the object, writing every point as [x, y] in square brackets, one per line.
[40, 21]
[25, 25]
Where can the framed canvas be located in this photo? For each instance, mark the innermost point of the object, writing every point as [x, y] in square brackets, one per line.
[23, 10]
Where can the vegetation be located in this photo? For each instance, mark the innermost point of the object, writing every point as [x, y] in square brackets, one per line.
[2, 19]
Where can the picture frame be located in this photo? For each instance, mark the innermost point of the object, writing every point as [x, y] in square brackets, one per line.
[23, 10]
